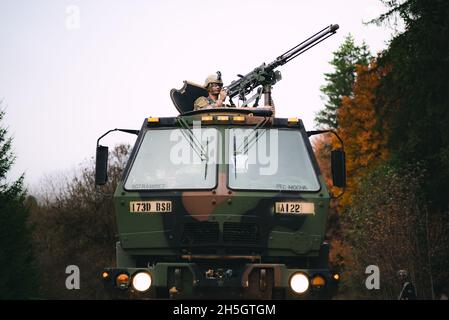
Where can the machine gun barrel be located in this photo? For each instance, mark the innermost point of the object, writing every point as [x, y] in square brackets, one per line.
[304, 46]
[265, 75]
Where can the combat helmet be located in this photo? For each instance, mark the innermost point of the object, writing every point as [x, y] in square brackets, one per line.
[213, 78]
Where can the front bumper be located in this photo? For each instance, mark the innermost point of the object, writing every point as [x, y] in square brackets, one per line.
[212, 281]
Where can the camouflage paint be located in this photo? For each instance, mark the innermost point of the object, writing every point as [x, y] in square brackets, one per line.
[222, 228]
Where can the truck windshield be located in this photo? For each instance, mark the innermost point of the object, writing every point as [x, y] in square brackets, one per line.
[269, 159]
[175, 159]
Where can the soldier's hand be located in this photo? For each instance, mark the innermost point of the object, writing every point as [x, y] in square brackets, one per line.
[223, 95]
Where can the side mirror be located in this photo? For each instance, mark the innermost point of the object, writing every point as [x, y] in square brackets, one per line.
[101, 165]
[338, 167]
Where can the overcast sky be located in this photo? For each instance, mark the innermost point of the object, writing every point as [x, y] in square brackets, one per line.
[71, 70]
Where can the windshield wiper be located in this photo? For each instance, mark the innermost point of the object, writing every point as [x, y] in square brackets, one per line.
[195, 144]
[247, 143]
[193, 141]
[253, 137]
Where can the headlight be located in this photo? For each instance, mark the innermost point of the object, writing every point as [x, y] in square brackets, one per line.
[299, 282]
[141, 281]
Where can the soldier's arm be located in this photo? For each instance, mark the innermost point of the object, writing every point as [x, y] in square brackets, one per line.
[200, 103]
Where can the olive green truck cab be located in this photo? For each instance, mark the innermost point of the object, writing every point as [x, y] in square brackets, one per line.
[226, 203]
[223, 203]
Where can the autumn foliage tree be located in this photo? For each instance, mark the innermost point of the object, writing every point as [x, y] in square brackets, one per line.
[339, 85]
[381, 206]
[362, 127]
[364, 135]
[395, 212]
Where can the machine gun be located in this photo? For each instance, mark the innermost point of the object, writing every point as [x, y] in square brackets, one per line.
[265, 76]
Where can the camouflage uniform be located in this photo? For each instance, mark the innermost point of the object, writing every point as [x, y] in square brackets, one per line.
[203, 102]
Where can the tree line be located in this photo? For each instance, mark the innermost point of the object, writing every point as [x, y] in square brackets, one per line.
[392, 112]
[68, 222]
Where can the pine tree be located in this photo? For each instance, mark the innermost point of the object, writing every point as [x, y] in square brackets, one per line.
[416, 92]
[17, 268]
[415, 100]
[340, 82]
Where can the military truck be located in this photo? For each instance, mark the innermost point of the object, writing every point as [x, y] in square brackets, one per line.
[224, 202]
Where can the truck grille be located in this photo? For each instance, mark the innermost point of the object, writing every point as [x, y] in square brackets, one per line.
[200, 232]
[209, 232]
[240, 232]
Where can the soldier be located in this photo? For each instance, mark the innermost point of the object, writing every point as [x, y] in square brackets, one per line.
[214, 86]
[408, 289]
